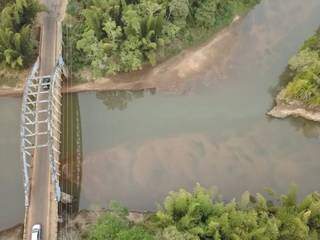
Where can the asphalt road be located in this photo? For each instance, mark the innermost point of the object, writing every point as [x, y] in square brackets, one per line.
[39, 211]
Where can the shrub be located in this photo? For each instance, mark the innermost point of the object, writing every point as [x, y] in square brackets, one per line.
[17, 42]
[115, 226]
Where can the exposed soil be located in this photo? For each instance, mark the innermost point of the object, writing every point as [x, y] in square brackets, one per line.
[174, 75]
[14, 233]
[284, 109]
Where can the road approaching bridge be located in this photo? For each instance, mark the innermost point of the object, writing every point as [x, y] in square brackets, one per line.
[40, 129]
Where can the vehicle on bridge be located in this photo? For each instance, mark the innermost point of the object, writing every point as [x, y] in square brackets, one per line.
[46, 83]
[36, 232]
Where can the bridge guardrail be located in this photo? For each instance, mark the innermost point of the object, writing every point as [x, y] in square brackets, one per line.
[54, 123]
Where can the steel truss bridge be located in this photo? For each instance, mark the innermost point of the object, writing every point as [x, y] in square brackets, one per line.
[40, 139]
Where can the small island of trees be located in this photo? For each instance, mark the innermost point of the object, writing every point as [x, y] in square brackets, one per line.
[301, 96]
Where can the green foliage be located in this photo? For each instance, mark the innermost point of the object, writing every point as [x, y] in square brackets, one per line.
[304, 60]
[305, 84]
[3, 3]
[17, 43]
[198, 215]
[123, 35]
[115, 226]
[201, 215]
[172, 233]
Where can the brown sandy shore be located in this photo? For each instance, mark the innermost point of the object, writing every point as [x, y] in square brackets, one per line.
[284, 109]
[172, 75]
[75, 227]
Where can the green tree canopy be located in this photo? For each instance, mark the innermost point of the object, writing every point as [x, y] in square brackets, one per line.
[17, 41]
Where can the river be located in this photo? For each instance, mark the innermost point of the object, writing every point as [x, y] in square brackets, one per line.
[11, 188]
[137, 146]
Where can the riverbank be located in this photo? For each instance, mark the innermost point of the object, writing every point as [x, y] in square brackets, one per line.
[178, 218]
[173, 75]
[293, 108]
[13, 233]
[301, 96]
[12, 82]
[106, 43]
[19, 42]
[178, 208]
[75, 227]
[81, 223]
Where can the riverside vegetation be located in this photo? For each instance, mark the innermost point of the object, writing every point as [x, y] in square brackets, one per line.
[203, 215]
[305, 72]
[17, 36]
[17, 42]
[111, 36]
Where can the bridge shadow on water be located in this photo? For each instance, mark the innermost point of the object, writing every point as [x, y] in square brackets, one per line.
[71, 158]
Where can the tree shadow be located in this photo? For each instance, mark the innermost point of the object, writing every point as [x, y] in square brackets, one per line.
[120, 99]
[308, 128]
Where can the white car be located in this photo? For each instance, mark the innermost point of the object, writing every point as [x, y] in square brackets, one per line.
[36, 232]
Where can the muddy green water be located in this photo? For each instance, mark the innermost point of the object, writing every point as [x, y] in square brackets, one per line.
[135, 147]
[139, 146]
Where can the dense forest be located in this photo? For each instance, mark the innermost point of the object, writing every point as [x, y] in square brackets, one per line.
[113, 36]
[17, 39]
[305, 73]
[202, 215]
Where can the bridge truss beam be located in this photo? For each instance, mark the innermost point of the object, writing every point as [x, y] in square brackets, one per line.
[54, 125]
[28, 130]
[34, 87]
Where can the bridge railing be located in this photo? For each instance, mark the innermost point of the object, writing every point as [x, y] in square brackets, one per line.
[54, 126]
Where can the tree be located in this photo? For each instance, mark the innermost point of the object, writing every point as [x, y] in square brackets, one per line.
[17, 43]
[206, 13]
